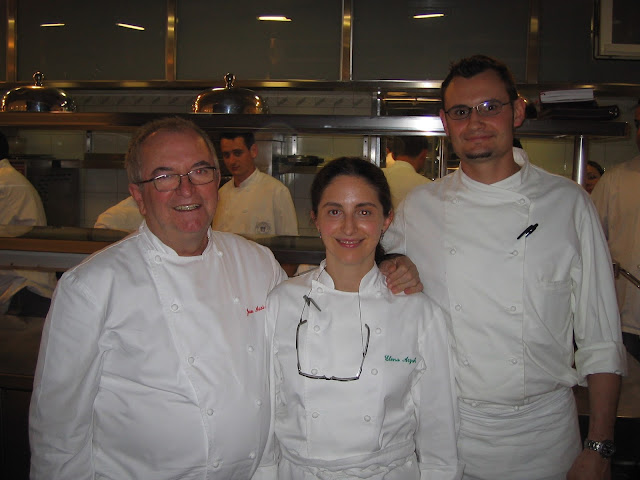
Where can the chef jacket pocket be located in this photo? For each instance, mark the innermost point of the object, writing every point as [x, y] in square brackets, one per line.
[552, 307]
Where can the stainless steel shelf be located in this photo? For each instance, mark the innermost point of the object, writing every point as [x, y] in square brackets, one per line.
[293, 124]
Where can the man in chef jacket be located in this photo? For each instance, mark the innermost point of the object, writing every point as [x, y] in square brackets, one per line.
[617, 199]
[253, 203]
[22, 292]
[518, 260]
[410, 155]
[153, 362]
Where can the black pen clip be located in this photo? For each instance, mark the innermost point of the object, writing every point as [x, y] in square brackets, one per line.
[528, 231]
[310, 300]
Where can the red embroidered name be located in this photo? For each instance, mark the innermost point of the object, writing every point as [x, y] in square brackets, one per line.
[257, 309]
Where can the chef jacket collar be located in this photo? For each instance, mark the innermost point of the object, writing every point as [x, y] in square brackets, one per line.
[159, 246]
[512, 183]
[372, 281]
[249, 180]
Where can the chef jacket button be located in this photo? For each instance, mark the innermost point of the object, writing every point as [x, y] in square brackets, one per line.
[378, 330]
[458, 308]
[316, 328]
[514, 361]
[191, 360]
[215, 464]
[259, 403]
[210, 411]
[320, 290]
[452, 251]
[512, 308]
[522, 201]
[252, 455]
[514, 253]
[367, 418]
[516, 408]
[158, 259]
[315, 414]
[465, 362]
[374, 371]
[314, 371]
[236, 300]
[378, 294]
[250, 348]
[219, 253]
[474, 404]
[174, 307]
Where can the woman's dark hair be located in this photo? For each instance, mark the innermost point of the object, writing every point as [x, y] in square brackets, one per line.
[353, 167]
[597, 166]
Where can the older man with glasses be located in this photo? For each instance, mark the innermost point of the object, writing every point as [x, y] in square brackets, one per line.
[518, 260]
[153, 361]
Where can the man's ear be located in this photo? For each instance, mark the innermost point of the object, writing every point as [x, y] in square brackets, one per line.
[253, 151]
[519, 107]
[135, 191]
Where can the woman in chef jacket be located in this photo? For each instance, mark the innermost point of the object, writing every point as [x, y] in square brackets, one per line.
[361, 378]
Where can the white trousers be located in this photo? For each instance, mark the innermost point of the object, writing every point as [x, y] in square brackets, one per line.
[538, 441]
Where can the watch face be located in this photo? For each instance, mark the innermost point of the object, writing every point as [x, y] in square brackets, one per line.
[607, 448]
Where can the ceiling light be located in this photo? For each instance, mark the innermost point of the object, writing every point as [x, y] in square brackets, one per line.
[428, 15]
[273, 18]
[127, 25]
[52, 24]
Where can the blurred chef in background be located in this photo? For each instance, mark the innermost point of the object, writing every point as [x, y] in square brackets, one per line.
[410, 155]
[593, 174]
[253, 203]
[22, 292]
[617, 199]
[124, 216]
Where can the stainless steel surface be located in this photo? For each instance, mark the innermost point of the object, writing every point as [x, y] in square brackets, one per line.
[580, 155]
[37, 98]
[618, 270]
[60, 248]
[346, 49]
[230, 100]
[328, 124]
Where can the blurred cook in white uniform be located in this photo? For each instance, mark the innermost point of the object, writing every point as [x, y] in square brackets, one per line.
[124, 216]
[23, 292]
[361, 379]
[253, 203]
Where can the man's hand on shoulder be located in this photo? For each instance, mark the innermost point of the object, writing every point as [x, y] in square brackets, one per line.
[402, 274]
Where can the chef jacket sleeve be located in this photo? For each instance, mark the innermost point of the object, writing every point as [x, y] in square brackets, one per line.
[393, 240]
[285, 213]
[436, 436]
[268, 467]
[600, 197]
[65, 386]
[596, 319]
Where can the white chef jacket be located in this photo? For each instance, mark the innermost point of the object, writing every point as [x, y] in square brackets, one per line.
[125, 216]
[261, 205]
[20, 204]
[154, 365]
[402, 178]
[515, 304]
[373, 427]
[617, 199]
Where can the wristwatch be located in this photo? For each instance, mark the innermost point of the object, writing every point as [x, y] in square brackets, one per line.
[606, 448]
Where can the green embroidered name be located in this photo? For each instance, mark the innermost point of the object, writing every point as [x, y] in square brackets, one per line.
[389, 358]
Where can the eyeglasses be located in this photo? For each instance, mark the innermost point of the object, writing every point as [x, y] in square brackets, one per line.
[365, 347]
[172, 181]
[489, 108]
